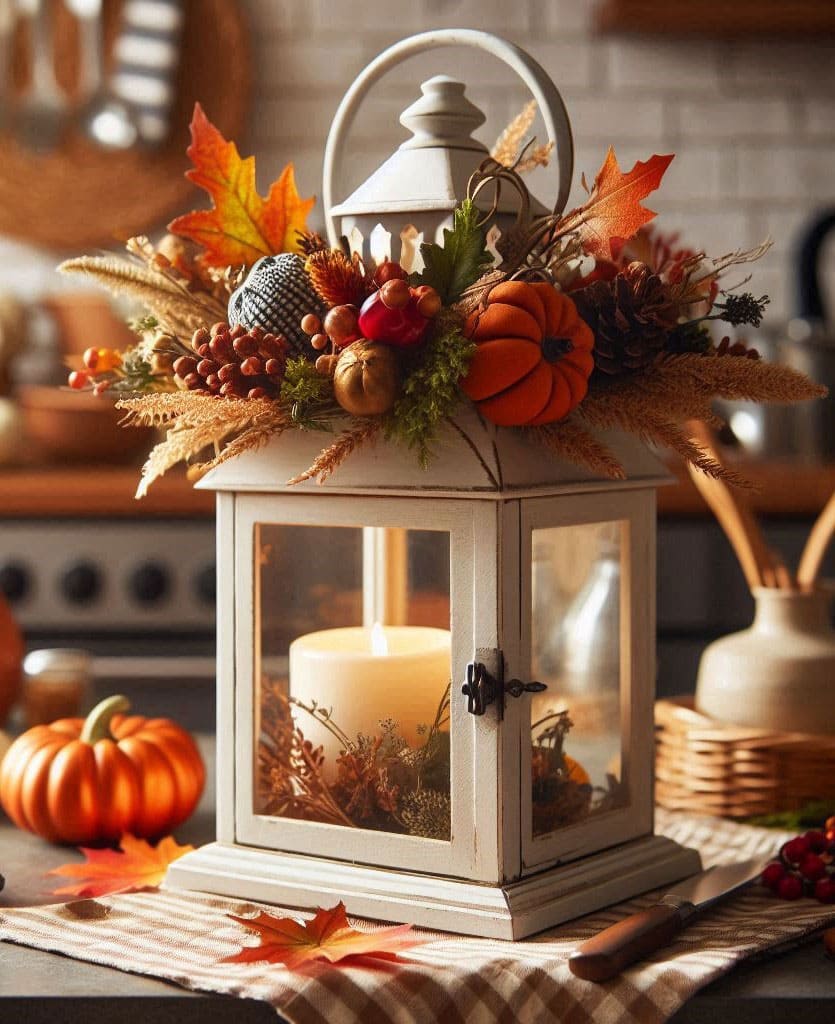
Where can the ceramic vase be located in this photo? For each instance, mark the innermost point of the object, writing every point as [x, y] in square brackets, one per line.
[780, 672]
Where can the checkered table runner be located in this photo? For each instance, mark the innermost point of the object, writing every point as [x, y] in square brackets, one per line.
[452, 980]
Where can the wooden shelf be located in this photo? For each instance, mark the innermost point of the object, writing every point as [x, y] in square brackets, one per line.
[97, 492]
[782, 490]
[718, 18]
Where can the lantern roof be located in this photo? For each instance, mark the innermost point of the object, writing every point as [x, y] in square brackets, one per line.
[472, 459]
[430, 170]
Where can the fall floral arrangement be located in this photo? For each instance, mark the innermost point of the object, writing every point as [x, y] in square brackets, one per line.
[560, 326]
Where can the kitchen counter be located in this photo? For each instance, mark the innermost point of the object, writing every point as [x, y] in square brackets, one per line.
[781, 490]
[44, 988]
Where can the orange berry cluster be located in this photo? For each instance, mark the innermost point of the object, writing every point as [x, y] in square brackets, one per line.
[234, 362]
[100, 366]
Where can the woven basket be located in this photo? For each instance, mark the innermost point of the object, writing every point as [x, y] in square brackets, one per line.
[709, 767]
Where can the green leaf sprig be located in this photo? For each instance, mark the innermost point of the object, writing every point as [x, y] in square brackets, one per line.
[462, 259]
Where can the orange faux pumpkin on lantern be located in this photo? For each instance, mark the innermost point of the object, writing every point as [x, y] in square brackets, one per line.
[83, 781]
[533, 357]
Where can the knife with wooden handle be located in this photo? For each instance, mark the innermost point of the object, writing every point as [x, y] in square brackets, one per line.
[611, 951]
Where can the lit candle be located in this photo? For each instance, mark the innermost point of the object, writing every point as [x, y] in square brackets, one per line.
[362, 676]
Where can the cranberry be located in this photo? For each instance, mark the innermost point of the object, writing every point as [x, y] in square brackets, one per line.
[790, 888]
[812, 867]
[400, 328]
[825, 890]
[795, 849]
[816, 841]
[772, 873]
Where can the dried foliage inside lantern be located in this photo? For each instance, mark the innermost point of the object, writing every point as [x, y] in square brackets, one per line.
[380, 781]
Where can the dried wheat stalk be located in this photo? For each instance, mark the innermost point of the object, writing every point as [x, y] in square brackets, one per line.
[332, 457]
[179, 311]
[196, 422]
[507, 146]
[569, 439]
[536, 156]
[627, 409]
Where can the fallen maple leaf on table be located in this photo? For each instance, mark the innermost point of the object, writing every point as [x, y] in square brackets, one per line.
[242, 226]
[327, 936]
[138, 865]
[613, 209]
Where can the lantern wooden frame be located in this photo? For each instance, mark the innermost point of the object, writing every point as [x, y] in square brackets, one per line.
[493, 878]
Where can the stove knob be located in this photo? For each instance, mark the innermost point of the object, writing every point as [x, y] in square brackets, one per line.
[15, 581]
[205, 584]
[149, 583]
[81, 583]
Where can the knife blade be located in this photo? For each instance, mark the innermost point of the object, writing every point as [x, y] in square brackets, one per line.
[609, 952]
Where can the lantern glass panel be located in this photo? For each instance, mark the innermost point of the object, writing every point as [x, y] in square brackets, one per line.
[352, 677]
[576, 650]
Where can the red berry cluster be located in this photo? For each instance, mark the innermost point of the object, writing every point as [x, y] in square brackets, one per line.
[805, 866]
[234, 362]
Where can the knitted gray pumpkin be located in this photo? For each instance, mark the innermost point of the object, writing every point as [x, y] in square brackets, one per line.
[276, 295]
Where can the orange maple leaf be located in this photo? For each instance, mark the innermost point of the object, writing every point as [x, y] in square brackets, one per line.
[613, 209]
[327, 936]
[242, 226]
[138, 865]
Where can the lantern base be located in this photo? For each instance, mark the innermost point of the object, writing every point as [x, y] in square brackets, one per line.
[509, 911]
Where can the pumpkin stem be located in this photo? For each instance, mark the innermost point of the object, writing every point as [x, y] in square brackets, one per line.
[97, 723]
[553, 349]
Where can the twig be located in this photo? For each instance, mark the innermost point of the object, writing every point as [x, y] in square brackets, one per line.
[816, 545]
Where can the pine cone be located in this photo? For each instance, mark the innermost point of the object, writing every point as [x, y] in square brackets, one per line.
[234, 362]
[631, 317]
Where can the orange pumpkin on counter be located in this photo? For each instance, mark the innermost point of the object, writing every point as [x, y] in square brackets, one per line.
[533, 357]
[83, 781]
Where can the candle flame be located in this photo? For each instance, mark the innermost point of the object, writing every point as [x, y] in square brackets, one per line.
[379, 642]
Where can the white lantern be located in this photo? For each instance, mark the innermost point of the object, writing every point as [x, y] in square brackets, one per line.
[435, 688]
[413, 194]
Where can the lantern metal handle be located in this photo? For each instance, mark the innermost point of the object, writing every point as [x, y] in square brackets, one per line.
[532, 74]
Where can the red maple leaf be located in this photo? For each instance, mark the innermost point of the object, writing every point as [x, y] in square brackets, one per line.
[327, 936]
[613, 212]
[242, 226]
[138, 865]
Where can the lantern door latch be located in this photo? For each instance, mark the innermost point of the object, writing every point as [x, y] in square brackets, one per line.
[485, 682]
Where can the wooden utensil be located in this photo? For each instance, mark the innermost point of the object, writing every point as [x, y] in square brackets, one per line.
[816, 545]
[734, 515]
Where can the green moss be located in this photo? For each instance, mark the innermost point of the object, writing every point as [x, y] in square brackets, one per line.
[430, 393]
[307, 395]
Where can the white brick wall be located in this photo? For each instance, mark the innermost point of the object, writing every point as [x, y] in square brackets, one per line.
[752, 123]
